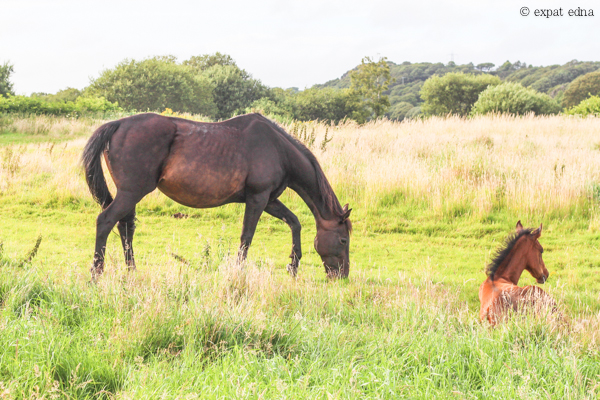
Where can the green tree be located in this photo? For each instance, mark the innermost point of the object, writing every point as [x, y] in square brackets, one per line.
[6, 86]
[203, 62]
[155, 84]
[485, 67]
[68, 94]
[513, 98]
[508, 68]
[582, 88]
[233, 89]
[368, 83]
[454, 93]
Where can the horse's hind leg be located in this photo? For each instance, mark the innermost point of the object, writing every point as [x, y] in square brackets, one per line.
[255, 205]
[126, 228]
[122, 206]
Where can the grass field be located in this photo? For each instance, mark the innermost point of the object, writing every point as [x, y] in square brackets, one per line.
[432, 200]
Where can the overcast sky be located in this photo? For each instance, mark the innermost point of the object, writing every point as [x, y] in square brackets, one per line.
[63, 43]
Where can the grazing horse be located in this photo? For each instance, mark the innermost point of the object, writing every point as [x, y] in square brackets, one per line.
[500, 293]
[247, 159]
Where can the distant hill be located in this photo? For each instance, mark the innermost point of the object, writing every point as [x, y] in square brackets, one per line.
[552, 79]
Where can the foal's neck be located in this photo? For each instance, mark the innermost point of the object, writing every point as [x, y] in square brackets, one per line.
[513, 265]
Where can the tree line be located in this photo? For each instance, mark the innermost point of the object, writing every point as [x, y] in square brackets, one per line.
[406, 96]
[213, 85]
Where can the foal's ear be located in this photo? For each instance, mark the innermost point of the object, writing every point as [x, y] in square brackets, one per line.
[537, 233]
[346, 213]
[519, 226]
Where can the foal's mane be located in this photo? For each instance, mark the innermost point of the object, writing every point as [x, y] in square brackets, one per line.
[502, 253]
[327, 194]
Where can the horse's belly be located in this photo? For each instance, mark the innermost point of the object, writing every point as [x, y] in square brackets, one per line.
[203, 189]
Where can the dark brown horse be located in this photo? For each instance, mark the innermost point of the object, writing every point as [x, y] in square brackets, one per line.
[248, 159]
[500, 294]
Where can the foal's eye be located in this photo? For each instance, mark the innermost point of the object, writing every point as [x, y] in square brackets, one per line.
[344, 241]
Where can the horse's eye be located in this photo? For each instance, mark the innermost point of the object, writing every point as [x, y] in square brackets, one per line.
[344, 241]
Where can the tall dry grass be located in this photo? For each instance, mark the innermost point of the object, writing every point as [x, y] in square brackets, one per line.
[49, 125]
[532, 164]
[529, 164]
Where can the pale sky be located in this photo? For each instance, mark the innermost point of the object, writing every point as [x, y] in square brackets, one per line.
[55, 44]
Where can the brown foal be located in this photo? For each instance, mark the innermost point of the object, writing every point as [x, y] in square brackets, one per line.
[499, 293]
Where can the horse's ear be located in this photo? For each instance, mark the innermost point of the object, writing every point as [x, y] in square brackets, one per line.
[519, 226]
[537, 233]
[346, 213]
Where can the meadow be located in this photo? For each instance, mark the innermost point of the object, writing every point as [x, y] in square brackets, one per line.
[432, 200]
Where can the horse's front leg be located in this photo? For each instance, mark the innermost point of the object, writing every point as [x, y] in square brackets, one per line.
[255, 205]
[278, 210]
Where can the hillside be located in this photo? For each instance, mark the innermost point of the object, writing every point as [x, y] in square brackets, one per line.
[409, 77]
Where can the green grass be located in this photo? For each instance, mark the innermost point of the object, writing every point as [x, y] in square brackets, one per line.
[404, 325]
[12, 138]
[205, 334]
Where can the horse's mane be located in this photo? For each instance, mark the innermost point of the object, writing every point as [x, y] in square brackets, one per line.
[502, 253]
[327, 194]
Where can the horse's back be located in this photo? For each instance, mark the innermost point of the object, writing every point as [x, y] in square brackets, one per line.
[199, 164]
[210, 164]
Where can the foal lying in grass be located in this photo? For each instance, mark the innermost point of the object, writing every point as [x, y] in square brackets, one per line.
[499, 293]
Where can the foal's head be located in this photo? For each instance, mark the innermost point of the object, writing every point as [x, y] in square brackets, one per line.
[533, 254]
[333, 244]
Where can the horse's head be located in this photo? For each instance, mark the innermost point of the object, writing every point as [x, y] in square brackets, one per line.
[333, 244]
[535, 264]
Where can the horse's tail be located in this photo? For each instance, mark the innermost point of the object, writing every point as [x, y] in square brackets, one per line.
[92, 162]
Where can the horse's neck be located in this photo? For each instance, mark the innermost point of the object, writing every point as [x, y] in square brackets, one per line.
[512, 267]
[308, 189]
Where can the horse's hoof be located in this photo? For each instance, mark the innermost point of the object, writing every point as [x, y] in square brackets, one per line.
[292, 270]
[96, 273]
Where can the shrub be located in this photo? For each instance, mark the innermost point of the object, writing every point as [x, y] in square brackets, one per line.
[454, 93]
[271, 109]
[589, 106]
[582, 88]
[513, 98]
[38, 105]
[326, 104]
